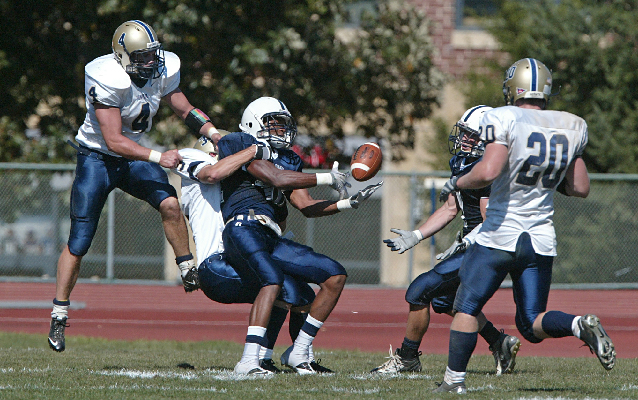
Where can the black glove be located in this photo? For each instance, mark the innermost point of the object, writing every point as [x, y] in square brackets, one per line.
[191, 280]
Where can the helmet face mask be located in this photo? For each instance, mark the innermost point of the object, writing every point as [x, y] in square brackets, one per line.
[527, 79]
[465, 138]
[138, 51]
[269, 121]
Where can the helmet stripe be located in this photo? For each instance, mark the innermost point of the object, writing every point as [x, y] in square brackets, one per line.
[283, 107]
[534, 68]
[471, 112]
[148, 30]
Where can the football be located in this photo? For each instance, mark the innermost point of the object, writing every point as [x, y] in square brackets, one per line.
[366, 162]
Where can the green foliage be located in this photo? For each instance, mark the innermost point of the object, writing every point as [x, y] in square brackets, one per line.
[231, 53]
[591, 47]
[102, 369]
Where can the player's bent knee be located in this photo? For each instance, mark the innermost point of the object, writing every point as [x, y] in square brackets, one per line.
[335, 283]
[170, 209]
[527, 330]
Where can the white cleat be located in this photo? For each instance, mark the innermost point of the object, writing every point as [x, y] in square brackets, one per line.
[296, 363]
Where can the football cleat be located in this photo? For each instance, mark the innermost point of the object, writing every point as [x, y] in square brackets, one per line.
[248, 368]
[458, 388]
[593, 334]
[504, 352]
[397, 363]
[269, 365]
[316, 365]
[56, 334]
[191, 280]
[302, 367]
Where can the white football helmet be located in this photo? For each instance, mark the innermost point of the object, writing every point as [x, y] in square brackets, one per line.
[269, 121]
[137, 49]
[527, 79]
[465, 139]
[207, 146]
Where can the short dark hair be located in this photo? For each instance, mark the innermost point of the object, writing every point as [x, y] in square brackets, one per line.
[542, 103]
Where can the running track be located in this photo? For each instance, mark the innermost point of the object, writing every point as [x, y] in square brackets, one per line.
[367, 319]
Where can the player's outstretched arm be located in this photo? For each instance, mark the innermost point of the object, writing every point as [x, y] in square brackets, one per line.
[110, 120]
[195, 119]
[311, 208]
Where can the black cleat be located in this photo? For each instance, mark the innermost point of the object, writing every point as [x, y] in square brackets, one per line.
[56, 334]
[316, 365]
[269, 365]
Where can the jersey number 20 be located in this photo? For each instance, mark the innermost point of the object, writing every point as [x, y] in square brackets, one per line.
[550, 177]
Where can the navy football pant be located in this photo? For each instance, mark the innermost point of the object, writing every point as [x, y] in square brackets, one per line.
[437, 286]
[484, 269]
[221, 283]
[95, 178]
[256, 252]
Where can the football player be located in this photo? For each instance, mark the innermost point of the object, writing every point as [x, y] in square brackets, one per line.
[530, 154]
[123, 92]
[438, 286]
[201, 201]
[254, 209]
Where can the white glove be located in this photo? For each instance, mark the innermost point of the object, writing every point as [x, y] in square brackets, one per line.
[459, 245]
[339, 181]
[448, 187]
[190, 277]
[406, 240]
[361, 196]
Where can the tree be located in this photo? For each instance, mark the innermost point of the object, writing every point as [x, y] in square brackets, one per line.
[232, 53]
[591, 47]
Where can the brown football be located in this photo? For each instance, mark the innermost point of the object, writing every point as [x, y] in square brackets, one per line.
[366, 161]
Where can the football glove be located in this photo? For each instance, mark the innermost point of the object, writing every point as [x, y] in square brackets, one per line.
[459, 245]
[339, 181]
[357, 199]
[448, 187]
[405, 241]
[190, 277]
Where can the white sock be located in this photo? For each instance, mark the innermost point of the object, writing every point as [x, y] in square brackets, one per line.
[314, 322]
[60, 312]
[452, 377]
[576, 326]
[265, 353]
[311, 354]
[251, 350]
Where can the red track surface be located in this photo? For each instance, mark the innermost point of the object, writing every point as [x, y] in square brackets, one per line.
[364, 319]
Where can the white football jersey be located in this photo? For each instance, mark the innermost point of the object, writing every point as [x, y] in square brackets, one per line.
[106, 82]
[541, 145]
[201, 203]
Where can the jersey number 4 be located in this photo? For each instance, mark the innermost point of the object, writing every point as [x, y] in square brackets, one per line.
[551, 174]
[140, 124]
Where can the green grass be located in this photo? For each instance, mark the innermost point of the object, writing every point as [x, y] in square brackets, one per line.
[103, 369]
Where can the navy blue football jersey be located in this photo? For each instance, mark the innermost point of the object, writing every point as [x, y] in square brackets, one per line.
[469, 199]
[242, 192]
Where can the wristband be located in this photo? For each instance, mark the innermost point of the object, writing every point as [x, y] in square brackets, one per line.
[155, 156]
[418, 235]
[211, 132]
[343, 204]
[324, 178]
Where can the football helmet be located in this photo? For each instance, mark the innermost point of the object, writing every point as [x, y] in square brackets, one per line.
[465, 139]
[207, 146]
[527, 79]
[269, 121]
[137, 49]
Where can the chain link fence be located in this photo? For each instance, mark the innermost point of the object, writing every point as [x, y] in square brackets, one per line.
[597, 243]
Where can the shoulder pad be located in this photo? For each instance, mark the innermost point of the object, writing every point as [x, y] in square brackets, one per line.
[108, 72]
[171, 63]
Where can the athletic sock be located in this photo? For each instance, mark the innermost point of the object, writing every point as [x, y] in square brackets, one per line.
[255, 338]
[451, 377]
[490, 333]
[462, 346]
[60, 309]
[576, 326]
[409, 348]
[296, 322]
[277, 319]
[308, 332]
[558, 324]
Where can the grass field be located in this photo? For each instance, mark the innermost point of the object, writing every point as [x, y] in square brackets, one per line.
[103, 369]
